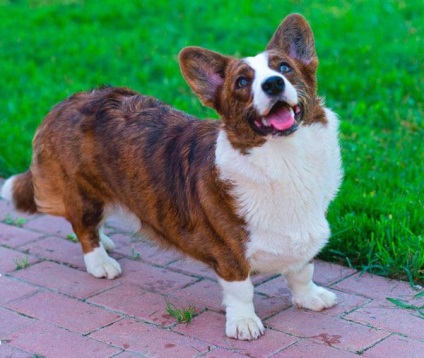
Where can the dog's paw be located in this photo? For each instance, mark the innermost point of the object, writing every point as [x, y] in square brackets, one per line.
[107, 242]
[315, 299]
[244, 328]
[99, 264]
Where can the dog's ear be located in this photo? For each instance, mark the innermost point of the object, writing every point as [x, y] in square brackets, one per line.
[294, 36]
[204, 71]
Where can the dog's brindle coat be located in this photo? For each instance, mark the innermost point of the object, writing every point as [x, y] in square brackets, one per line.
[114, 147]
[165, 158]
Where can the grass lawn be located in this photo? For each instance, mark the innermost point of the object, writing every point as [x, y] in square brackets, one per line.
[371, 72]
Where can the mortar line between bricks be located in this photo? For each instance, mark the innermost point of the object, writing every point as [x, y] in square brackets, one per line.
[40, 238]
[288, 333]
[44, 259]
[118, 284]
[211, 348]
[199, 277]
[172, 262]
[370, 327]
[18, 279]
[130, 316]
[121, 316]
[276, 313]
[157, 265]
[162, 328]
[309, 338]
[25, 297]
[53, 290]
[33, 320]
[19, 313]
[8, 344]
[267, 280]
[102, 327]
[343, 278]
[291, 344]
[123, 351]
[84, 335]
[140, 320]
[361, 305]
[361, 352]
[31, 217]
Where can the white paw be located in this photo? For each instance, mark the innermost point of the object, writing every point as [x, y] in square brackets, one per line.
[99, 264]
[107, 242]
[244, 328]
[315, 299]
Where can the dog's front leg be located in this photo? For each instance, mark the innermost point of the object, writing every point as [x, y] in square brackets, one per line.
[306, 294]
[242, 321]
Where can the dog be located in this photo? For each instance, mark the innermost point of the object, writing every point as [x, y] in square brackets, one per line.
[246, 194]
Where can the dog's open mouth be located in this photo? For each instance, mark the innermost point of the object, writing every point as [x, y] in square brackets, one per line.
[282, 119]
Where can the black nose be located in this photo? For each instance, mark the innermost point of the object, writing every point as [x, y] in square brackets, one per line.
[273, 85]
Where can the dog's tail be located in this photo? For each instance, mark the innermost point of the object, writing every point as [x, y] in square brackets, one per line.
[19, 189]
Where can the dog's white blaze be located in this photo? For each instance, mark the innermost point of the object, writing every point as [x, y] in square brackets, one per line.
[7, 189]
[282, 190]
[261, 100]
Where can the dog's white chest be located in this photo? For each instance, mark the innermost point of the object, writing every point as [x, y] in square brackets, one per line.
[283, 190]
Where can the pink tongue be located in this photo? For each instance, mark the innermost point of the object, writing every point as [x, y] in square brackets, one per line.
[281, 120]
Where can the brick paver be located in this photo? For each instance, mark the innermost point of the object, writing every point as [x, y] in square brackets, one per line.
[52, 308]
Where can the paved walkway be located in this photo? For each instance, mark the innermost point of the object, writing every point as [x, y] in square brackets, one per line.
[49, 306]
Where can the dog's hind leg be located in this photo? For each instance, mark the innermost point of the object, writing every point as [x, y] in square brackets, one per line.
[86, 217]
[105, 240]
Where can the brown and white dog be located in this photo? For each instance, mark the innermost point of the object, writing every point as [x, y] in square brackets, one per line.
[247, 194]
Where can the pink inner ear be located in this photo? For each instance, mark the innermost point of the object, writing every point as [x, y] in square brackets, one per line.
[215, 79]
[293, 54]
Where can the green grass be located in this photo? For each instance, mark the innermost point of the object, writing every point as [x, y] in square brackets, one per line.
[371, 73]
[182, 315]
[72, 238]
[16, 221]
[21, 263]
[419, 310]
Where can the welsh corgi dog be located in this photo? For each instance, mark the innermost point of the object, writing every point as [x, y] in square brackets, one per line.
[246, 194]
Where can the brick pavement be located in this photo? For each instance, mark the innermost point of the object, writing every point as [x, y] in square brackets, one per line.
[50, 307]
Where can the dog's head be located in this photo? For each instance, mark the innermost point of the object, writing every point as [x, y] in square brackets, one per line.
[268, 95]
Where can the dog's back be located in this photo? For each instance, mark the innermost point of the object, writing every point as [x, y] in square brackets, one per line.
[113, 147]
[105, 137]
[247, 194]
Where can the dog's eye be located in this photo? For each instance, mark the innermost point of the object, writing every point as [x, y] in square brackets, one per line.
[242, 82]
[284, 68]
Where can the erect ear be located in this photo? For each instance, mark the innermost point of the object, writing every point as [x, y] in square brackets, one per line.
[294, 36]
[204, 71]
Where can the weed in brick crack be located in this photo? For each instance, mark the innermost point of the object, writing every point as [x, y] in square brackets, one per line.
[21, 263]
[72, 237]
[19, 222]
[135, 254]
[182, 315]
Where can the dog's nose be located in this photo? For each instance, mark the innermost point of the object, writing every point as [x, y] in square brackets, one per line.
[273, 85]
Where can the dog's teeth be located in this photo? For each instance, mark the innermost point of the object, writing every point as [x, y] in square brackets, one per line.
[291, 112]
[265, 122]
[297, 109]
